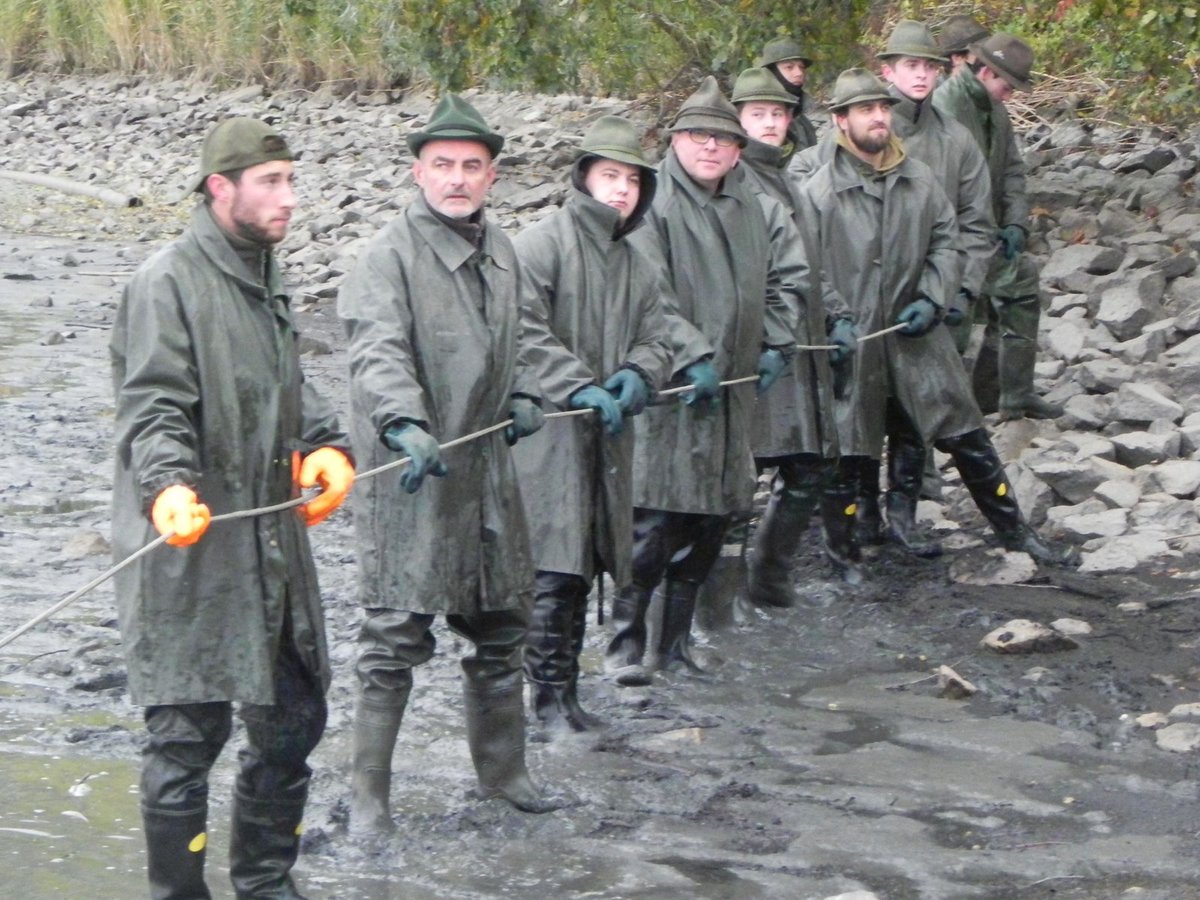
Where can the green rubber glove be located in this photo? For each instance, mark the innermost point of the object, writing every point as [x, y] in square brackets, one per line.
[592, 396]
[706, 383]
[845, 336]
[771, 363]
[421, 448]
[919, 317]
[1013, 239]
[630, 389]
[527, 417]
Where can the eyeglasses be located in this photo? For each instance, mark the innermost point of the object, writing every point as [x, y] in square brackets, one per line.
[701, 136]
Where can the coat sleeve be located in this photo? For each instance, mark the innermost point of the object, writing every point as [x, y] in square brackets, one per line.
[157, 386]
[651, 350]
[939, 274]
[559, 371]
[376, 309]
[320, 426]
[1013, 205]
[687, 343]
[809, 216]
[788, 278]
[976, 228]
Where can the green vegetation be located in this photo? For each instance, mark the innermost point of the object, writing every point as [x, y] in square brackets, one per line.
[1144, 54]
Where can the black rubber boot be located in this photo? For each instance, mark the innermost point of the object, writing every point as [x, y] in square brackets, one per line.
[175, 851]
[580, 719]
[263, 846]
[495, 714]
[868, 523]
[985, 376]
[548, 646]
[623, 659]
[783, 525]
[1017, 397]
[674, 641]
[838, 509]
[983, 474]
[376, 723]
[906, 472]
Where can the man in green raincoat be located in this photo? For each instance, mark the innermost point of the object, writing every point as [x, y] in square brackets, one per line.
[976, 97]
[432, 312]
[693, 462]
[213, 416]
[787, 61]
[598, 302]
[794, 430]
[885, 232]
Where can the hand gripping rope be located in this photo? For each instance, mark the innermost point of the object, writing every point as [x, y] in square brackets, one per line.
[370, 473]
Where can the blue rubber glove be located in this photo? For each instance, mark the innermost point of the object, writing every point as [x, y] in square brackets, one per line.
[771, 363]
[703, 377]
[592, 396]
[630, 389]
[421, 448]
[919, 317]
[527, 417]
[845, 336]
[1013, 239]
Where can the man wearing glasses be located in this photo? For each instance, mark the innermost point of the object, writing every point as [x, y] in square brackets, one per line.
[693, 464]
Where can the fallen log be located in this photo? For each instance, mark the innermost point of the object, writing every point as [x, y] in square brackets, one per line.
[66, 186]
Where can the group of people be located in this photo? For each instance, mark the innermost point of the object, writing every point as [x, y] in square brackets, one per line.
[764, 300]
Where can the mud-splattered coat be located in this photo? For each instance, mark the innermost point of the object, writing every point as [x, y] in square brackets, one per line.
[716, 249]
[796, 414]
[886, 238]
[434, 329]
[598, 300]
[209, 393]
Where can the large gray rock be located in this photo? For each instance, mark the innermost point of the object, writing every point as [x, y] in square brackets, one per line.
[1090, 258]
[1123, 554]
[1163, 515]
[1141, 448]
[1067, 340]
[1082, 527]
[1127, 307]
[1142, 403]
[1177, 477]
[1119, 494]
[1102, 376]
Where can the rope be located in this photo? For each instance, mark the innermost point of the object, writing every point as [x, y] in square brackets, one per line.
[370, 473]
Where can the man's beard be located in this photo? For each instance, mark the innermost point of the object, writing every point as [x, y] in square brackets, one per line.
[869, 143]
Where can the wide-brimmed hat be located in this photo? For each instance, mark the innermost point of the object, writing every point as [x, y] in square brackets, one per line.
[758, 83]
[708, 110]
[858, 86]
[959, 32]
[781, 49]
[914, 39]
[1009, 57]
[454, 119]
[615, 138]
[236, 144]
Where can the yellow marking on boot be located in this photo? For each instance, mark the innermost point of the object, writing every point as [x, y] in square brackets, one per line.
[1002, 491]
[300, 829]
[199, 842]
[851, 509]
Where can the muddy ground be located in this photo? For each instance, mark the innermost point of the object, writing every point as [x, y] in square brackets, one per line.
[818, 761]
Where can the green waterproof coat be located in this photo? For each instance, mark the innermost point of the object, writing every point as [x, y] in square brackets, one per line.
[948, 150]
[796, 414]
[434, 337]
[885, 239]
[596, 300]
[209, 393]
[716, 250]
[965, 99]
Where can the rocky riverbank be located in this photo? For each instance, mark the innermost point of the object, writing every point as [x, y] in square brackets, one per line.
[827, 756]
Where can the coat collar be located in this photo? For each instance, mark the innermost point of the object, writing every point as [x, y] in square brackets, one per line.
[214, 244]
[450, 247]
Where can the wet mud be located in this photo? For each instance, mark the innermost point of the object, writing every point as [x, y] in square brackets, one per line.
[817, 759]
